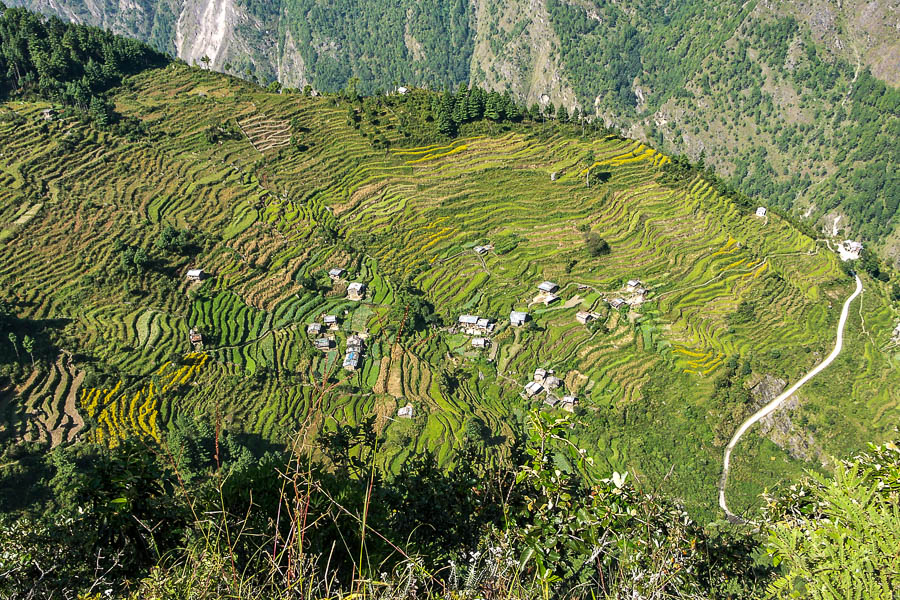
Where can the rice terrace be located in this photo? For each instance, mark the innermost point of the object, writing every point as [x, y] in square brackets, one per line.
[502, 268]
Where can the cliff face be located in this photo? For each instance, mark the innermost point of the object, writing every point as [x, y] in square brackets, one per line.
[514, 44]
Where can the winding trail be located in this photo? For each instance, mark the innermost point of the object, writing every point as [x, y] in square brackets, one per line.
[771, 406]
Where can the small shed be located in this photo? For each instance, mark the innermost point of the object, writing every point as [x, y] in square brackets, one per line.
[195, 336]
[336, 273]
[584, 316]
[324, 344]
[551, 400]
[633, 284]
[548, 286]
[517, 318]
[48, 114]
[617, 302]
[402, 90]
[406, 412]
[330, 320]
[569, 403]
[468, 320]
[540, 374]
[196, 274]
[552, 382]
[761, 211]
[314, 329]
[480, 342]
[356, 291]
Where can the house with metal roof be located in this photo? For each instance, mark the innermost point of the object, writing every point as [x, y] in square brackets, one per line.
[533, 388]
[518, 318]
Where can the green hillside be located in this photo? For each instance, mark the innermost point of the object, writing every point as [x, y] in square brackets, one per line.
[266, 192]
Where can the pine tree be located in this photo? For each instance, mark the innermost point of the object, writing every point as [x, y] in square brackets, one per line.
[13, 339]
[99, 111]
[460, 112]
[28, 344]
[475, 104]
[492, 107]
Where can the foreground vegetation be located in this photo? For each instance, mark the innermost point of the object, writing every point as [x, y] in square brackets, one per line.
[200, 516]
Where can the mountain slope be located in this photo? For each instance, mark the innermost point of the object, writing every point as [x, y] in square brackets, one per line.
[787, 99]
[268, 191]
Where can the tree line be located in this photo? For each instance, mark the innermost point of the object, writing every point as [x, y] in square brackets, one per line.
[73, 65]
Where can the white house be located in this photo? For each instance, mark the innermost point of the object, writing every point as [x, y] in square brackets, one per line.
[517, 318]
[569, 403]
[354, 342]
[336, 273]
[324, 343]
[480, 342]
[548, 287]
[633, 284]
[351, 360]
[356, 291]
[540, 374]
[195, 274]
[402, 90]
[314, 329]
[761, 211]
[616, 302]
[584, 317]
[485, 325]
[552, 382]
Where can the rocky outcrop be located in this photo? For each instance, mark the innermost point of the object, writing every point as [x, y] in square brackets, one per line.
[528, 63]
[779, 426]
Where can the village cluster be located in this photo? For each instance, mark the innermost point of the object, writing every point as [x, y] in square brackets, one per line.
[545, 380]
[323, 332]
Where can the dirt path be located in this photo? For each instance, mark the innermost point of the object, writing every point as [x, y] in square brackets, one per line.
[771, 406]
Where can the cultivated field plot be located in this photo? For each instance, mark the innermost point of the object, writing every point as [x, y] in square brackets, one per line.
[304, 192]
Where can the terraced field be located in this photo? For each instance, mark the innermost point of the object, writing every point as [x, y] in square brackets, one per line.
[304, 191]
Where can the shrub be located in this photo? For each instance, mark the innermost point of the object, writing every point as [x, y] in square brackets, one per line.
[596, 245]
[839, 537]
